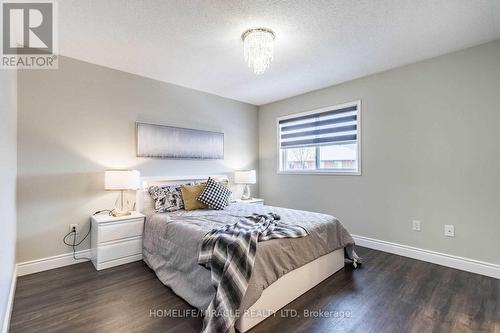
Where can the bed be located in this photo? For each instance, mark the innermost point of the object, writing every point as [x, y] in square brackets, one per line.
[284, 268]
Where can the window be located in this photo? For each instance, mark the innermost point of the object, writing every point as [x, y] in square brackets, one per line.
[326, 140]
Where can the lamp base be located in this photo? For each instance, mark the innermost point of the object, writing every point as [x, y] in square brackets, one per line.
[246, 193]
[118, 213]
[121, 210]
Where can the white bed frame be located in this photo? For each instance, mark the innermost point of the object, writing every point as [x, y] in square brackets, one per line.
[284, 290]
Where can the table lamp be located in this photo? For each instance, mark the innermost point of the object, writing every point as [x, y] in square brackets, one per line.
[245, 177]
[121, 180]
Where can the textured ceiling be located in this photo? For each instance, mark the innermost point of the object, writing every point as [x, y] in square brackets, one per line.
[319, 43]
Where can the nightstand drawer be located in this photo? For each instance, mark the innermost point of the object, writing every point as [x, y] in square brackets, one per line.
[119, 250]
[118, 230]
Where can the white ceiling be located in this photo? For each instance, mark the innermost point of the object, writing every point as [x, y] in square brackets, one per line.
[319, 43]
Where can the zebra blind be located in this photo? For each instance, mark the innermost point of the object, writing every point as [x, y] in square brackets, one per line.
[334, 126]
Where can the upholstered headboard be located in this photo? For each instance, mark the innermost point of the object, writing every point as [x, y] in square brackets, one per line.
[145, 203]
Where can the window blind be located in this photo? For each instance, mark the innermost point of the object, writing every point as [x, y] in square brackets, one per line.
[326, 127]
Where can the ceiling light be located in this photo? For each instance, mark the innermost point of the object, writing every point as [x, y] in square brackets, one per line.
[258, 48]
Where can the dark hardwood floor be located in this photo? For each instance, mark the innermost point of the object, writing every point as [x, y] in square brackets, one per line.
[388, 293]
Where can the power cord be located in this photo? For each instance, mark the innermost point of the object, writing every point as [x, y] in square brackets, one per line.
[74, 244]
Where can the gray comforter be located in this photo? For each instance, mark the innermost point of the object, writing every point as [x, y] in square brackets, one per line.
[172, 240]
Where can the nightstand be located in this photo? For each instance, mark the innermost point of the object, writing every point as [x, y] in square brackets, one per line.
[250, 201]
[116, 240]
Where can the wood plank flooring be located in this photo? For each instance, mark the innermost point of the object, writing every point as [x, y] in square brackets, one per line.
[388, 293]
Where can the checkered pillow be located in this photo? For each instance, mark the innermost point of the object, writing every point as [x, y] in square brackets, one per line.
[215, 195]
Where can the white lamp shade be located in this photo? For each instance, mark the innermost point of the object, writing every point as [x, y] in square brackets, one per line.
[245, 177]
[118, 180]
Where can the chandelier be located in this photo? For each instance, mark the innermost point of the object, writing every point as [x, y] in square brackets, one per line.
[258, 48]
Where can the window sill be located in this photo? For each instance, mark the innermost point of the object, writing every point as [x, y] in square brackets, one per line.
[324, 173]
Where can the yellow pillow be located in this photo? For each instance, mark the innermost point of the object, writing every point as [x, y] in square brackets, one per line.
[190, 194]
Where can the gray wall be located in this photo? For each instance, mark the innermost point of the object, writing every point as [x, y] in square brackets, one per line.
[77, 121]
[430, 152]
[8, 168]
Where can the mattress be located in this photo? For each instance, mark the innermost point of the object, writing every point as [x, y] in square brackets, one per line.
[171, 246]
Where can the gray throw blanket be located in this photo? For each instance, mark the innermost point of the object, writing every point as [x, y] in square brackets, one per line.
[229, 253]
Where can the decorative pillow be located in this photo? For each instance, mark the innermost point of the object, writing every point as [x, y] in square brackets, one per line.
[215, 195]
[167, 198]
[190, 194]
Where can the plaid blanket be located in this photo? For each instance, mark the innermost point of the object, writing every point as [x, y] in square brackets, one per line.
[229, 253]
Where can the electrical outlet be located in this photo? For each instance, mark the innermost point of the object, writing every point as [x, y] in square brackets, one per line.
[416, 225]
[75, 226]
[449, 230]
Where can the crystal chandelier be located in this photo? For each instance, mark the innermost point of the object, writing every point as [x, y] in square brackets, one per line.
[258, 48]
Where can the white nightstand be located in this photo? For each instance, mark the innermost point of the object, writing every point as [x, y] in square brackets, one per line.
[250, 201]
[116, 240]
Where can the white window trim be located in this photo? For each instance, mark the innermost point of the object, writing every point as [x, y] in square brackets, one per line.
[330, 172]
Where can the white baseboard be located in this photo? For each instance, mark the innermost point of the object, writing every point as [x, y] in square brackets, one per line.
[44, 264]
[10, 302]
[464, 264]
